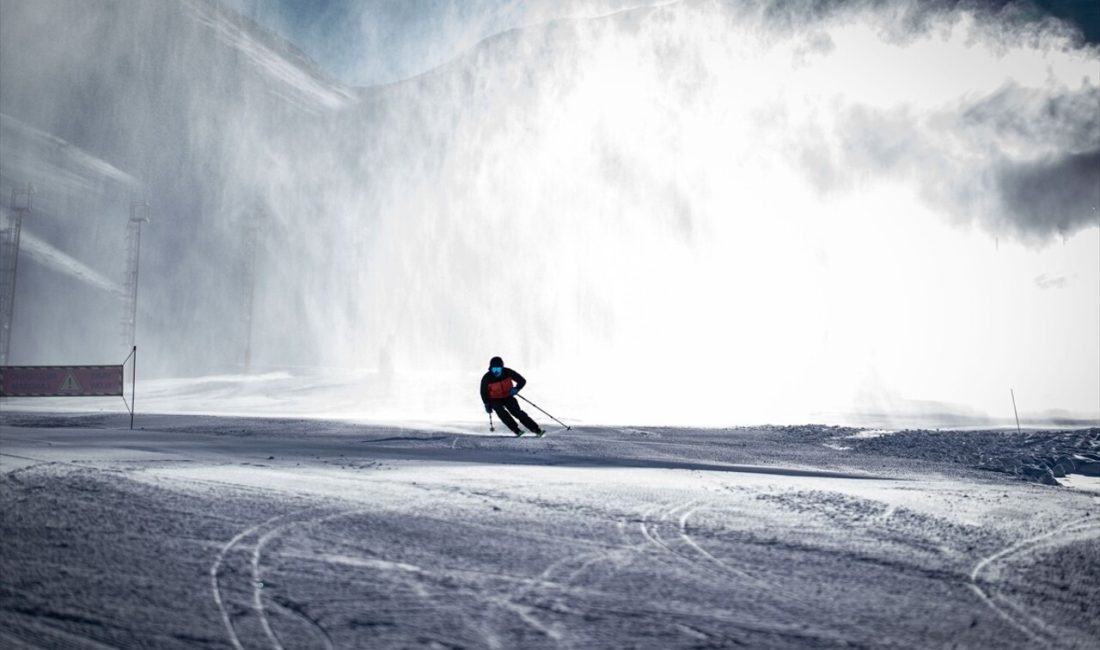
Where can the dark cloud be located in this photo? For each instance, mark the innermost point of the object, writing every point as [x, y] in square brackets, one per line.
[1084, 14]
[1023, 19]
[1059, 195]
[1021, 162]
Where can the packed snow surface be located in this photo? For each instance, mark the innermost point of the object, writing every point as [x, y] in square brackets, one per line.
[217, 532]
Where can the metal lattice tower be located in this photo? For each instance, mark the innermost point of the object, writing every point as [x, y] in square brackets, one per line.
[139, 214]
[9, 264]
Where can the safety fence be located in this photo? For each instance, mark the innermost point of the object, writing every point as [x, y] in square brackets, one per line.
[71, 381]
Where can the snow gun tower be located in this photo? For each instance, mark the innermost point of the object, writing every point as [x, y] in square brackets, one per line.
[253, 231]
[139, 214]
[9, 264]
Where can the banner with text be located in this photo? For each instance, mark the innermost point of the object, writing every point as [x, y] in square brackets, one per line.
[60, 381]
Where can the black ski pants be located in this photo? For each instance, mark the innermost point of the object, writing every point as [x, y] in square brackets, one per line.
[509, 406]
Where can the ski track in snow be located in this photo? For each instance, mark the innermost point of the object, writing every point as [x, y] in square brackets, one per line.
[704, 561]
[258, 585]
[1015, 614]
[615, 550]
[725, 566]
[215, 568]
[264, 532]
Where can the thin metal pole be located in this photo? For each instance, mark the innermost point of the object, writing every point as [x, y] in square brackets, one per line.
[1013, 394]
[491, 421]
[133, 389]
[567, 427]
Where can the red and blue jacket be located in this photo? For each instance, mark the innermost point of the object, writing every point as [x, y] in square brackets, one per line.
[497, 388]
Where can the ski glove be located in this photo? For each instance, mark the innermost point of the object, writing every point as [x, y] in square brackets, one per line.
[488, 409]
[515, 391]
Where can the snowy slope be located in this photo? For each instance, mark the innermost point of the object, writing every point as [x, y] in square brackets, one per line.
[257, 533]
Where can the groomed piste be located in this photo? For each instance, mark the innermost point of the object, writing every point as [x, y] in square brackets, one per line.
[201, 531]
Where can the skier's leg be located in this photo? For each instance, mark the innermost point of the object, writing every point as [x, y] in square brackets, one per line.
[513, 406]
[507, 419]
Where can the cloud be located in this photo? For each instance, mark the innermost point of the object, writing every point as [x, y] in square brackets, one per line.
[1060, 195]
[1019, 160]
[972, 103]
[1047, 281]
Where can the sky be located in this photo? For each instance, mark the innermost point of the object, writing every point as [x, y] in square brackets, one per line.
[381, 41]
[368, 42]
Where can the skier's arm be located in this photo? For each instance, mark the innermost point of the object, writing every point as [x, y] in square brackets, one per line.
[518, 378]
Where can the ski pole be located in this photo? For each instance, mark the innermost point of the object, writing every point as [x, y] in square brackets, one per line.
[491, 421]
[567, 427]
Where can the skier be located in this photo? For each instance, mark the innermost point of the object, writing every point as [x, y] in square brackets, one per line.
[499, 388]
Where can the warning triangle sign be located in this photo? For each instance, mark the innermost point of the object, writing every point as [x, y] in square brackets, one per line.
[70, 385]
